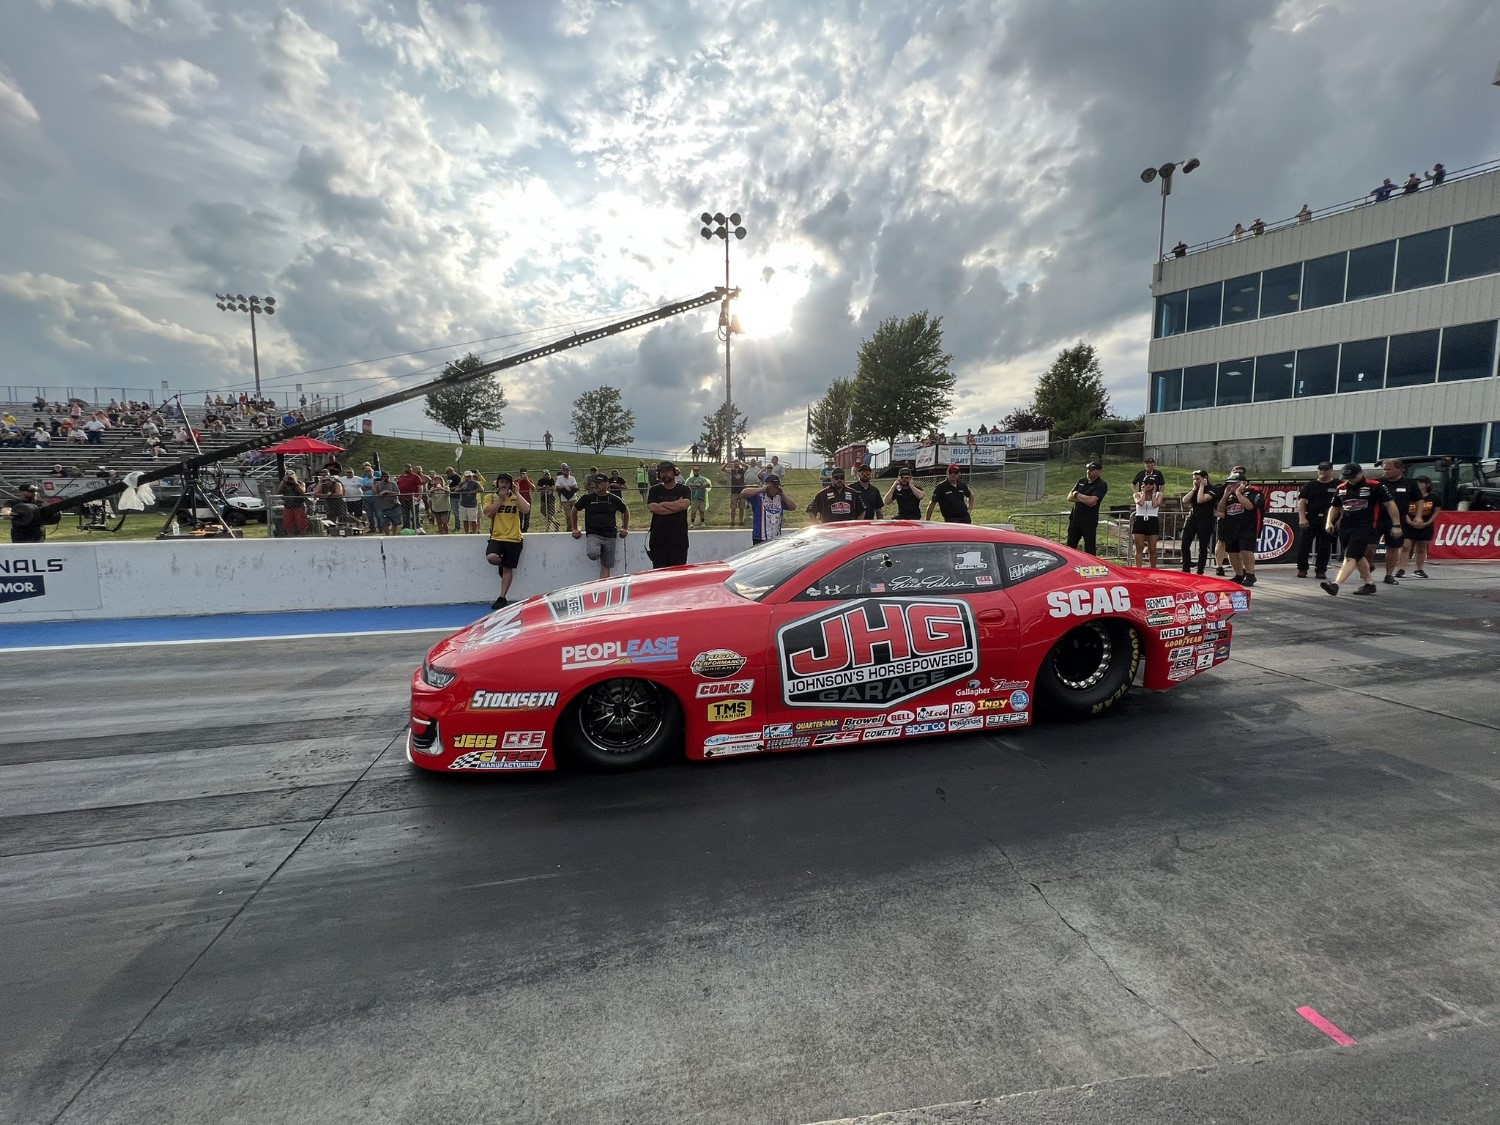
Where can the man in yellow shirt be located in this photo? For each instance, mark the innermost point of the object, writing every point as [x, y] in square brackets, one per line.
[504, 509]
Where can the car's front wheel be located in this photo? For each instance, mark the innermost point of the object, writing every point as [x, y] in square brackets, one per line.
[1088, 670]
[620, 725]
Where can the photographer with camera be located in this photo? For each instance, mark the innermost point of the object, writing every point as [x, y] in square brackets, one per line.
[504, 510]
[29, 517]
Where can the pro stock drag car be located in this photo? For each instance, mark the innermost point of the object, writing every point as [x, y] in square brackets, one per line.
[843, 634]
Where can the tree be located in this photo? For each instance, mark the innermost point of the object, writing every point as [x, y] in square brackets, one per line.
[1071, 392]
[461, 407]
[1023, 420]
[599, 420]
[902, 383]
[714, 427]
[831, 421]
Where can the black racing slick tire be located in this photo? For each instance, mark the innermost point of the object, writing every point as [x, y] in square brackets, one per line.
[1088, 670]
[621, 724]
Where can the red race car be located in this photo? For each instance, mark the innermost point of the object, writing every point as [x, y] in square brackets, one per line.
[843, 634]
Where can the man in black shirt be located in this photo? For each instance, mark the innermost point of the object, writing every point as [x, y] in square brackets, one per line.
[953, 498]
[1149, 473]
[906, 495]
[546, 489]
[30, 517]
[1313, 503]
[870, 500]
[735, 472]
[616, 483]
[1239, 525]
[1199, 503]
[1087, 495]
[1356, 509]
[836, 502]
[596, 511]
[668, 501]
[1402, 490]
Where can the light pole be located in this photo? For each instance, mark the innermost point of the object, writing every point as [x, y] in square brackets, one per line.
[1165, 172]
[252, 305]
[722, 226]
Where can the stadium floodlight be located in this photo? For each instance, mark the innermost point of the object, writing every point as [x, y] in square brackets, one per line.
[1165, 173]
[722, 226]
[252, 304]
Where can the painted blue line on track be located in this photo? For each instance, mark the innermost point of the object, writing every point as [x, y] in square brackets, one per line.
[237, 626]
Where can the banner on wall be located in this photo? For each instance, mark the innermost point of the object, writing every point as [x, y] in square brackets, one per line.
[1466, 535]
[42, 578]
[1030, 439]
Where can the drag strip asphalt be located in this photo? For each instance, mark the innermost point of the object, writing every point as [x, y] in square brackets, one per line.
[225, 896]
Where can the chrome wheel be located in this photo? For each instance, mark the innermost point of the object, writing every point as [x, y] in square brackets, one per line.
[1083, 657]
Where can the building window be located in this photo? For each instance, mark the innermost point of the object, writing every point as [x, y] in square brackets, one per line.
[1323, 281]
[1362, 366]
[1476, 249]
[1422, 260]
[1468, 352]
[1495, 438]
[1370, 270]
[1411, 441]
[1241, 298]
[1198, 386]
[1167, 391]
[1310, 449]
[1236, 381]
[1412, 360]
[1273, 376]
[1203, 306]
[1171, 314]
[1466, 440]
[1317, 371]
[1281, 290]
[1360, 447]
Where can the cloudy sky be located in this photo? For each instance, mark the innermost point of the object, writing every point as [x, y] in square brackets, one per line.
[410, 175]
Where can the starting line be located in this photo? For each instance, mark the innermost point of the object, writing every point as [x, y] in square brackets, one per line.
[133, 632]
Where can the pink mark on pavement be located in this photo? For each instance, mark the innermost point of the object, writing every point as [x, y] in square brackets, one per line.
[1311, 1015]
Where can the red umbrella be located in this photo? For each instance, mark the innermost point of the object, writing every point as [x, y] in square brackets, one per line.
[304, 445]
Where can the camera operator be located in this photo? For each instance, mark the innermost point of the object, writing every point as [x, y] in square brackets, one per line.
[29, 517]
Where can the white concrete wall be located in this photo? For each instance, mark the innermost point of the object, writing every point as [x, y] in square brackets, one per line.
[185, 578]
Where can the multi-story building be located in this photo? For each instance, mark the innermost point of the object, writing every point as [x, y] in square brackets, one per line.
[1368, 333]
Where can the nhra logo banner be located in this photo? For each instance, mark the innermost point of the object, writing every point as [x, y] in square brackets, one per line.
[876, 653]
[1466, 535]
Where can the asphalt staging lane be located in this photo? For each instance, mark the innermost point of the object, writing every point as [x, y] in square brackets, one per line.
[227, 898]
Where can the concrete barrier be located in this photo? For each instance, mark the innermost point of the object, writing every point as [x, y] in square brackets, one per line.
[184, 578]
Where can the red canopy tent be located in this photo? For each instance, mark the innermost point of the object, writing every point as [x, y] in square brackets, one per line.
[304, 445]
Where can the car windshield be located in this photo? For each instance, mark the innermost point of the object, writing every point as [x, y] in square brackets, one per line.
[763, 568]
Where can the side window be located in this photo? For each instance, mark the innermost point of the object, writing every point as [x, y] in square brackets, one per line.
[949, 568]
[848, 581]
[1024, 563]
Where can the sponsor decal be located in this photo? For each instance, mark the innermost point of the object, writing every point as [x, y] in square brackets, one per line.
[970, 560]
[19, 589]
[1092, 570]
[900, 718]
[726, 739]
[729, 710]
[873, 653]
[993, 704]
[1154, 619]
[809, 726]
[475, 741]
[1178, 657]
[973, 687]
[836, 738]
[1088, 601]
[733, 748]
[581, 601]
[984, 580]
[718, 689]
[717, 664]
[637, 650]
[1177, 675]
[500, 760]
[1204, 660]
[961, 709]
[524, 740]
[1276, 539]
[1168, 634]
[513, 701]
[790, 743]
[1010, 718]
[965, 724]
[880, 734]
[926, 728]
[1179, 642]
[31, 566]
[864, 721]
[1167, 602]
[1020, 700]
[778, 730]
[1021, 571]
[1241, 602]
[1221, 652]
[934, 711]
[1008, 685]
[1210, 597]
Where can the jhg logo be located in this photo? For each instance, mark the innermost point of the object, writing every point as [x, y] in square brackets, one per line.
[875, 653]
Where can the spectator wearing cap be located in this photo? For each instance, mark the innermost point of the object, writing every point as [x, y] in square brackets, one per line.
[468, 502]
[567, 488]
[870, 500]
[1356, 510]
[1239, 525]
[546, 488]
[1149, 472]
[907, 495]
[503, 549]
[698, 487]
[1200, 503]
[836, 501]
[596, 511]
[30, 517]
[524, 486]
[1086, 497]
[952, 497]
[736, 473]
[1313, 501]
[767, 504]
[668, 502]
[617, 483]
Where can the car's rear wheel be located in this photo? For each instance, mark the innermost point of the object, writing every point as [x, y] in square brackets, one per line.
[620, 724]
[1088, 670]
